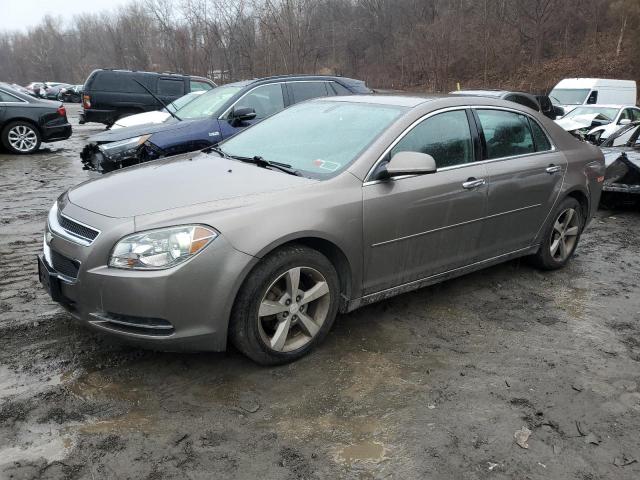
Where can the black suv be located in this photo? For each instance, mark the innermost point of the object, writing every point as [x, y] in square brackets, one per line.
[112, 94]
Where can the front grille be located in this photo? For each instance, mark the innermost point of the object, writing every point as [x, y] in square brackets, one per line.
[77, 229]
[66, 266]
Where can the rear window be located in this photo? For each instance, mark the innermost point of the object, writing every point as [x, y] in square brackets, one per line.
[171, 87]
[107, 81]
[197, 86]
[506, 134]
[306, 90]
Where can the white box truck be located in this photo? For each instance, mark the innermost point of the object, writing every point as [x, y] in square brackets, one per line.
[571, 92]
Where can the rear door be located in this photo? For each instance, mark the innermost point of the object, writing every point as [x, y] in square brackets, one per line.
[525, 174]
[419, 226]
[299, 91]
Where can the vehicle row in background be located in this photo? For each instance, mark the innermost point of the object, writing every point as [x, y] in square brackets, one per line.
[210, 118]
[572, 92]
[113, 94]
[26, 121]
[596, 123]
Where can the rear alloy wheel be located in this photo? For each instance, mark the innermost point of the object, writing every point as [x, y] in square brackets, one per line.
[286, 306]
[21, 138]
[561, 236]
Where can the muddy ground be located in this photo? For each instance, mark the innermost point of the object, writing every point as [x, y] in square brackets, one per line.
[431, 384]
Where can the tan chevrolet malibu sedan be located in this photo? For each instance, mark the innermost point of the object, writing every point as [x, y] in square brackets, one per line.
[327, 206]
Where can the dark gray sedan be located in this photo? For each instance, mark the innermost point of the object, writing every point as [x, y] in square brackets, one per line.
[327, 206]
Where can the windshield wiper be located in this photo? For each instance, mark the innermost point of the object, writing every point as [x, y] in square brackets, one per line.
[219, 151]
[256, 160]
[261, 162]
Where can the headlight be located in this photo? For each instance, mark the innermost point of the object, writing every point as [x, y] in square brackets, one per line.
[123, 148]
[159, 249]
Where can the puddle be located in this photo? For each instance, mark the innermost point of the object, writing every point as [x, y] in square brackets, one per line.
[365, 452]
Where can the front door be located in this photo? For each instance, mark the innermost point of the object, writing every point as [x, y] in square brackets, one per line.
[419, 226]
[265, 100]
[525, 175]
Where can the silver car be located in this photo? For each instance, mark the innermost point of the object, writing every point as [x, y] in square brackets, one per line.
[325, 207]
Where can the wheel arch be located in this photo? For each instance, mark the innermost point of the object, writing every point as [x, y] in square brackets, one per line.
[330, 249]
[28, 120]
[583, 199]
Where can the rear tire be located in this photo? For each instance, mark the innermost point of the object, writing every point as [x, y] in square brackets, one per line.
[286, 306]
[561, 236]
[21, 137]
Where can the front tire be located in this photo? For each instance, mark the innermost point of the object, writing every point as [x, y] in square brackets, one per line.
[21, 138]
[561, 236]
[286, 306]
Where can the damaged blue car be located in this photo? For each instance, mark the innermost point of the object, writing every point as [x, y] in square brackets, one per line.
[209, 119]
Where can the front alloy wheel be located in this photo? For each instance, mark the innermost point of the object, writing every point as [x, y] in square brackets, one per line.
[294, 309]
[286, 306]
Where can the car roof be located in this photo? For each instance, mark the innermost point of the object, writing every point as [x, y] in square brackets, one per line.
[289, 78]
[397, 100]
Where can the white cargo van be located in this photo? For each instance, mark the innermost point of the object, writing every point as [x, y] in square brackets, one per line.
[572, 92]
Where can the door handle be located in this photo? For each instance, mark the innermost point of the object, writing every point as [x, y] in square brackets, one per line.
[551, 169]
[472, 183]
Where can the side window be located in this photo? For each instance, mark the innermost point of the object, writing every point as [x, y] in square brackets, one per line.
[506, 133]
[635, 114]
[340, 89]
[197, 86]
[265, 100]
[5, 97]
[307, 90]
[170, 87]
[539, 137]
[593, 97]
[445, 136]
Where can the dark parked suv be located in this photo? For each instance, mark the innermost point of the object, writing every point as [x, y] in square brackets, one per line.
[112, 94]
[26, 121]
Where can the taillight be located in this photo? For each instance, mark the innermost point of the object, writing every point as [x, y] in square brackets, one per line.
[86, 101]
[62, 111]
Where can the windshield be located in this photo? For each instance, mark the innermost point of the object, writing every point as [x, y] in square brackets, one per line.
[318, 138]
[182, 101]
[208, 103]
[568, 96]
[609, 113]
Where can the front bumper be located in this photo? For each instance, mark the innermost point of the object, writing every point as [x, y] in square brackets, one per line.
[182, 308]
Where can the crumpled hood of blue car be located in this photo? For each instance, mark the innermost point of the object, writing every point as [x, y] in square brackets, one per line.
[138, 130]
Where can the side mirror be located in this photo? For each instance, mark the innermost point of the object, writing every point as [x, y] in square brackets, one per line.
[410, 163]
[242, 114]
[624, 121]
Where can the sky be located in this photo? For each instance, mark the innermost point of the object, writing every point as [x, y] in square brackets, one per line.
[22, 14]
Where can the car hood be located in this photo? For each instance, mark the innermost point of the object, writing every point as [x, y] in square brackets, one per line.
[178, 182]
[146, 118]
[581, 121]
[138, 130]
